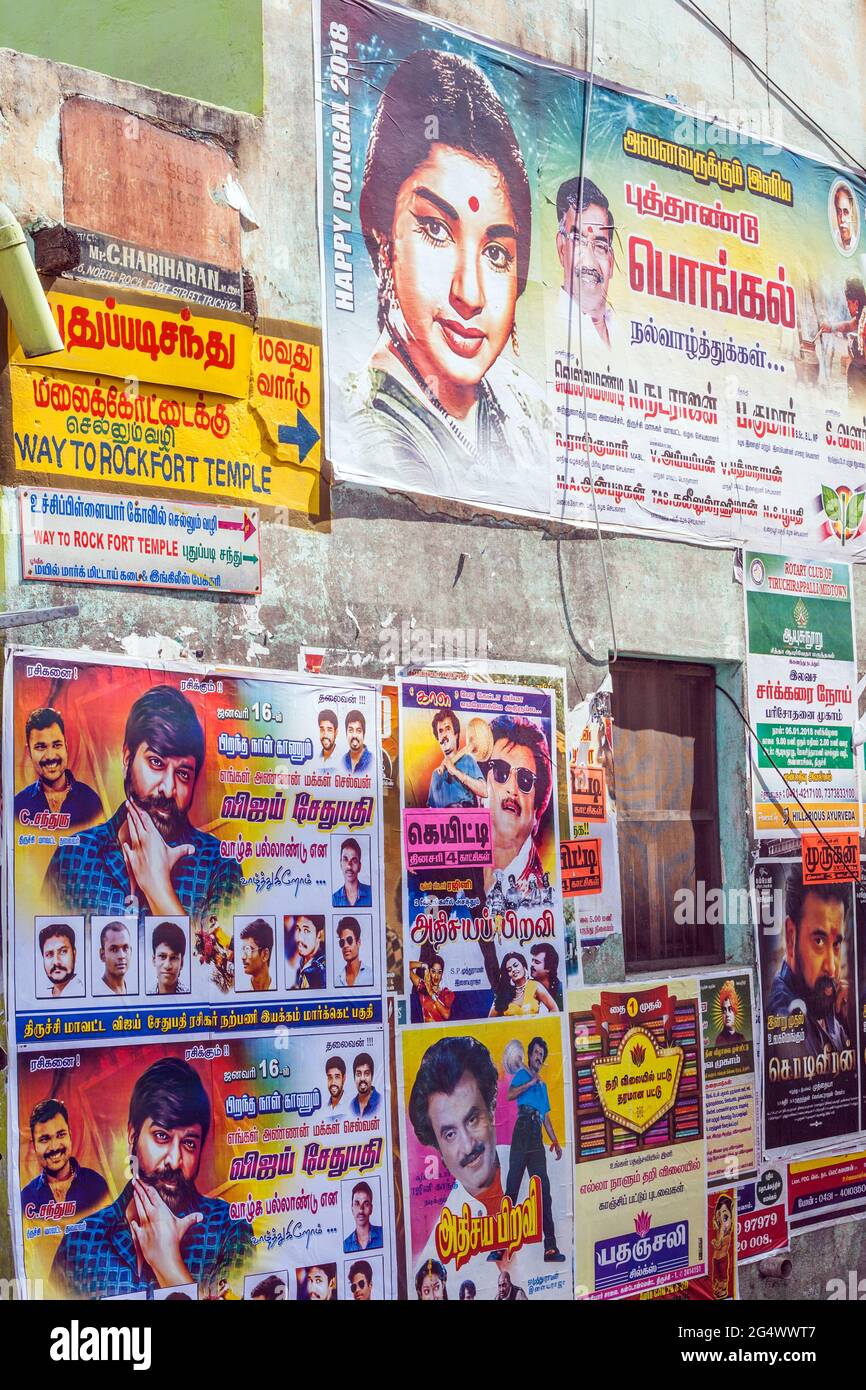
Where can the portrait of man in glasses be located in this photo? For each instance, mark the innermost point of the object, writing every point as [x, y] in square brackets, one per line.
[585, 246]
[518, 776]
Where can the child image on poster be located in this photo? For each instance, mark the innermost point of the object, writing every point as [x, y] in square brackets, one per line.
[447, 224]
[485, 1134]
[475, 932]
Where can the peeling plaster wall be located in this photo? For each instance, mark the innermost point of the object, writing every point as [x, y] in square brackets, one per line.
[383, 560]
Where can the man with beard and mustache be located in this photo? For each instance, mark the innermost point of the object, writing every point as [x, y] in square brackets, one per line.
[161, 1232]
[148, 855]
[55, 788]
[59, 954]
[359, 758]
[328, 725]
[335, 1077]
[62, 1179]
[811, 978]
[367, 1099]
[584, 244]
[452, 1110]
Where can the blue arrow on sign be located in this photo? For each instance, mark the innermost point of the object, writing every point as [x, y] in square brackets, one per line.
[303, 434]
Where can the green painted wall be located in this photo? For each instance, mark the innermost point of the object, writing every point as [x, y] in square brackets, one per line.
[207, 49]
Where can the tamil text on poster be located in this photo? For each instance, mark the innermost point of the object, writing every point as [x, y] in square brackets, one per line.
[640, 1176]
[486, 1155]
[483, 923]
[672, 333]
[194, 860]
[802, 679]
[807, 947]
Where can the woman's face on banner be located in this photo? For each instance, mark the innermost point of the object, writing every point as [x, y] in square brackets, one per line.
[455, 265]
[516, 972]
[432, 1289]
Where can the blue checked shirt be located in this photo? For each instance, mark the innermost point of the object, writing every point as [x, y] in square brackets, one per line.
[91, 876]
[98, 1259]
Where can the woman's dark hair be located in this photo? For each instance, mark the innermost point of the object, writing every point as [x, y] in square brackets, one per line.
[432, 91]
[505, 990]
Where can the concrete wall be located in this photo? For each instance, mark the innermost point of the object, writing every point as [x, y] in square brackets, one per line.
[381, 559]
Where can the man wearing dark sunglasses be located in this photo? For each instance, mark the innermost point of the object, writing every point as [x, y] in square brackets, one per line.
[361, 1280]
[518, 775]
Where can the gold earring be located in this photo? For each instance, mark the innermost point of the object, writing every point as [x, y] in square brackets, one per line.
[515, 346]
[387, 291]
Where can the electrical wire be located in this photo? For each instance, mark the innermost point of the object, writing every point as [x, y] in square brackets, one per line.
[771, 81]
[768, 755]
[613, 652]
[855, 163]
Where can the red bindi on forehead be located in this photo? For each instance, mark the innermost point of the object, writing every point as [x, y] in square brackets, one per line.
[473, 203]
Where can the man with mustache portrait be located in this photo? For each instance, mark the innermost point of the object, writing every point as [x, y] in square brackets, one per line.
[161, 1232]
[584, 245]
[55, 789]
[518, 775]
[148, 854]
[812, 976]
[452, 1110]
[63, 1178]
[59, 955]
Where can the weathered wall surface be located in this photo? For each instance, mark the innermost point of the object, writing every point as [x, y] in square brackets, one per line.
[382, 560]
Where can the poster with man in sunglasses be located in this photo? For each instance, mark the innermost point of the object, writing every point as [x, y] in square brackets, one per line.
[481, 882]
